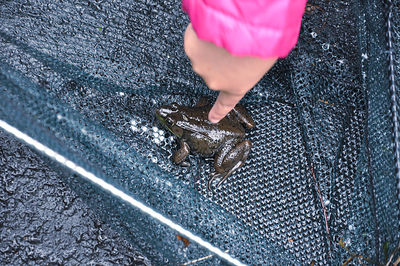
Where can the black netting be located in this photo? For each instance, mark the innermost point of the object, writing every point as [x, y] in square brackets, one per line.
[84, 78]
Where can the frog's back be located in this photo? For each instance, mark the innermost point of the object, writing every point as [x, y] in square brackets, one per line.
[228, 127]
[208, 138]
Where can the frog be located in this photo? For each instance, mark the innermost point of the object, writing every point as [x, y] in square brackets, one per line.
[225, 140]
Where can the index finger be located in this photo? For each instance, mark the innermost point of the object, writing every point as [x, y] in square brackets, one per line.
[224, 104]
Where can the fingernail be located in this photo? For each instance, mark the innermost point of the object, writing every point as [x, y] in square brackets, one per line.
[213, 120]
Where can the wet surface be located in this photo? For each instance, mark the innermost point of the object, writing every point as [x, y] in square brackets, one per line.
[43, 222]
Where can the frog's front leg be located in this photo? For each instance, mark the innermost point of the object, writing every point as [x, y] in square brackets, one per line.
[181, 154]
[228, 160]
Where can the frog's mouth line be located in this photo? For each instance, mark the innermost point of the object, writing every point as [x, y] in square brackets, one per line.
[165, 124]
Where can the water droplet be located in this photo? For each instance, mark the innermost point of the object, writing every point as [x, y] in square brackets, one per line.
[121, 93]
[161, 138]
[314, 34]
[325, 46]
[155, 129]
[144, 128]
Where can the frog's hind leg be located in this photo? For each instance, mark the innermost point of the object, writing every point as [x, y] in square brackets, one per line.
[223, 176]
[243, 117]
[228, 161]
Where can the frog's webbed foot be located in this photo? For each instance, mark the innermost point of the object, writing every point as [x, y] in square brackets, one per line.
[181, 154]
[213, 176]
[223, 176]
[228, 161]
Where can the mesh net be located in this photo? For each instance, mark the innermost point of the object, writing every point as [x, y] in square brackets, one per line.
[84, 78]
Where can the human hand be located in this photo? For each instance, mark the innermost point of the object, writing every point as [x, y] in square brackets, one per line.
[232, 75]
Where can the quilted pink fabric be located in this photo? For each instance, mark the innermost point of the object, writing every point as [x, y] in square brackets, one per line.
[261, 28]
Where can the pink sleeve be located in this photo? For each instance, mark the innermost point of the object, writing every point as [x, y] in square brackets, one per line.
[263, 28]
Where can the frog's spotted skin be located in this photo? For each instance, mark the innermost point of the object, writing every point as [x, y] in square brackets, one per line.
[224, 140]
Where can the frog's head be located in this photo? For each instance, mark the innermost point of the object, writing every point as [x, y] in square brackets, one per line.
[169, 116]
